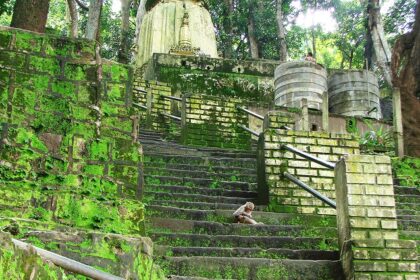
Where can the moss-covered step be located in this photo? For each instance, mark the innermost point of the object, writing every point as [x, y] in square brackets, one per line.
[229, 241]
[252, 178]
[210, 168]
[208, 161]
[176, 189]
[402, 190]
[254, 268]
[269, 218]
[272, 253]
[209, 202]
[214, 228]
[407, 198]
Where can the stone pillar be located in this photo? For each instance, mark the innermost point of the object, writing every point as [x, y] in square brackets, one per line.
[398, 126]
[366, 221]
[149, 104]
[305, 114]
[325, 112]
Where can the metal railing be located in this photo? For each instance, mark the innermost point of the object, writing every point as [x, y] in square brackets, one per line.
[251, 113]
[301, 184]
[66, 263]
[315, 193]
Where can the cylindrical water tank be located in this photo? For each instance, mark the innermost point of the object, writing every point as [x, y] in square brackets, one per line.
[354, 93]
[296, 80]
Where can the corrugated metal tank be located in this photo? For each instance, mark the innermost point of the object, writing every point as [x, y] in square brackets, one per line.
[296, 80]
[354, 93]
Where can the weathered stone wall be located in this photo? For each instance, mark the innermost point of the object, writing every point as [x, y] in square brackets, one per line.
[209, 120]
[69, 158]
[248, 80]
[213, 121]
[366, 217]
[284, 195]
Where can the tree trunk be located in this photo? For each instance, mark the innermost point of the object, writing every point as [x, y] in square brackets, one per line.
[281, 34]
[228, 51]
[74, 19]
[253, 42]
[141, 11]
[94, 16]
[125, 28]
[382, 52]
[30, 15]
[406, 75]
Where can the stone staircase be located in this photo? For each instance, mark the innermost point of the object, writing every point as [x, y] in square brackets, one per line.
[191, 194]
[408, 213]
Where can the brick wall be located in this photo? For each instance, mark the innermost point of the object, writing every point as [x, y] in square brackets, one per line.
[284, 196]
[367, 223]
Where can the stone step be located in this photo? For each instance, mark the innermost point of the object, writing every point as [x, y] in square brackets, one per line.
[225, 216]
[410, 235]
[194, 198]
[215, 228]
[409, 225]
[409, 218]
[200, 174]
[272, 253]
[401, 190]
[215, 169]
[201, 205]
[254, 268]
[409, 206]
[175, 189]
[172, 180]
[212, 161]
[412, 212]
[229, 241]
[177, 277]
[406, 198]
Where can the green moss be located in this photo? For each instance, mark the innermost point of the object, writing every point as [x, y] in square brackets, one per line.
[45, 65]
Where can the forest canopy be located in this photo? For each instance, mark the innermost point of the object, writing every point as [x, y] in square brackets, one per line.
[334, 30]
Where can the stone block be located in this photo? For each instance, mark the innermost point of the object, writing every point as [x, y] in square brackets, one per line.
[357, 212]
[320, 149]
[404, 244]
[360, 200]
[354, 178]
[383, 159]
[387, 201]
[389, 224]
[355, 189]
[306, 172]
[384, 179]
[369, 266]
[381, 212]
[364, 223]
[327, 142]
[369, 243]
[362, 276]
[402, 266]
[387, 277]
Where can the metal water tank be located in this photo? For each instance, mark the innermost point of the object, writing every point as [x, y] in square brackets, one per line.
[354, 93]
[296, 80]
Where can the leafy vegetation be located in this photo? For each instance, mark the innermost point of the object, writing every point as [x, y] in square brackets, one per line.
[407, 170]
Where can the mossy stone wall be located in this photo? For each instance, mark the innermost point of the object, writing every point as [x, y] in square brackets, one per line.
[248, 80]
[69, 155]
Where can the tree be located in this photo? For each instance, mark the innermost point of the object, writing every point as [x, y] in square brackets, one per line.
[30, 15]
[281, 31]
[406, 76]
[123, 52]
[253, 42]
[377, 41]
[74, 19]
[92, 27]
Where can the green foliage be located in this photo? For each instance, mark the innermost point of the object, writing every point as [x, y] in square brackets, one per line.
[377, 138]
[407, 170]
[400, 18]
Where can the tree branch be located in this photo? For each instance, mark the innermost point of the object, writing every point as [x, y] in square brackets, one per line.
[82, 5]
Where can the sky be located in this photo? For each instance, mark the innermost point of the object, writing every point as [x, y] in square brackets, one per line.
[321, 17]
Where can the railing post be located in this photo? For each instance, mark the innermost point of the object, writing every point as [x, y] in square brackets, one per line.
[149, 102]
[398, 126]
[305, 114]
[184, 119]
[325, 112]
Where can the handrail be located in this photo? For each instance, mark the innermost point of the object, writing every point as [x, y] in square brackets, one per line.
[250, 112]
[172, 97]
[322, 162]
[315, 193]
[171, 116]
[285, 127]
[142, 91]
[139, 105]
[249, 130]
[66, 263]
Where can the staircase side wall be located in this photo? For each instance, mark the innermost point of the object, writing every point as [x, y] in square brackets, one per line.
[284, 196]
[367, 223]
